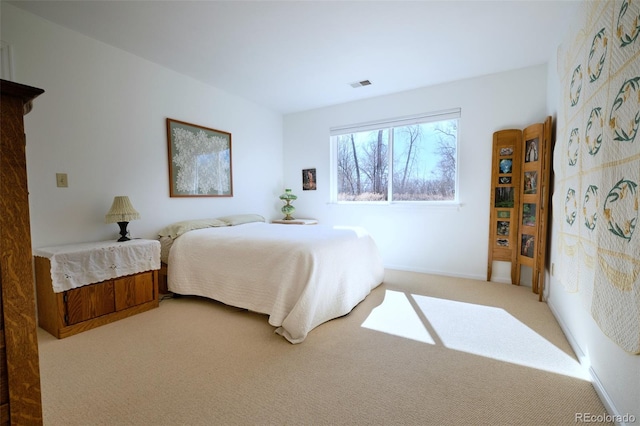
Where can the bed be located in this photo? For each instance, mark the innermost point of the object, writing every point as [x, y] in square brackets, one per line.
[300, 276]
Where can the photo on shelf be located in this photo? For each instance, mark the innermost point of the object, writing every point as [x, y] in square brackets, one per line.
[530, 182]
[527, 249]
[504, 197]
[529, 214]
[508, 150]
[503, 227]
[531, 150]
[506, 165]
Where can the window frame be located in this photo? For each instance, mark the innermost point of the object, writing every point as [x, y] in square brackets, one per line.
[334, 132]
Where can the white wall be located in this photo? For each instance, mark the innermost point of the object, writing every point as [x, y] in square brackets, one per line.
[616, 373]
[101, 120]
[442, 240]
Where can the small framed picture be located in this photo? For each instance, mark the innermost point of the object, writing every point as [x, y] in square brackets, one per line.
[531, 150]
[504, 197]
[505, 165]
[309, 179]
[503, 227]
[529, 214]
[530, 182]
[527, 247]
[508, 150]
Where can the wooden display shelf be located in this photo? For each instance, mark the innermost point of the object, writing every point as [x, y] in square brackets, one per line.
[505, 199]
[520, 192]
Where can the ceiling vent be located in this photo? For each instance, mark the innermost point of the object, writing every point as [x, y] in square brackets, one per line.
[360, 83]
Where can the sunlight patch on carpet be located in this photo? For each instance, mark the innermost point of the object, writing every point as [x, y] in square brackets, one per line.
[477, 329]
[396, 316]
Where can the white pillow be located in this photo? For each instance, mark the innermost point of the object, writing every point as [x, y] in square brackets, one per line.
[176, 229]
[239, 219]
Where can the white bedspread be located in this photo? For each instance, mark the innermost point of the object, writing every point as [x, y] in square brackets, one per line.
[301, 276]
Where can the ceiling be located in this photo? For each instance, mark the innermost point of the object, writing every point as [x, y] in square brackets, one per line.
[292, 56]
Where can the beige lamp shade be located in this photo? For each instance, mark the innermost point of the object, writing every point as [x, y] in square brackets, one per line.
[121, 211]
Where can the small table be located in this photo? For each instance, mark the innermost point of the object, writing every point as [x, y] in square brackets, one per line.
[296, 221]
[82, 286]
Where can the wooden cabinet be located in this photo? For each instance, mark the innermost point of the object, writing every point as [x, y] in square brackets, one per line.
[135, 290]
[73, 311]
[20, 397]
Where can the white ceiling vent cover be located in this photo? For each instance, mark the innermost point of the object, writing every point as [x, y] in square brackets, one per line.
[360, 83]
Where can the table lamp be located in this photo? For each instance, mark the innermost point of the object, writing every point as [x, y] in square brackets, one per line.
[122, 212]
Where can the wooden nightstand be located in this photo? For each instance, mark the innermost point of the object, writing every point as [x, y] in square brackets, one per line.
[72, 298]
[296, 221]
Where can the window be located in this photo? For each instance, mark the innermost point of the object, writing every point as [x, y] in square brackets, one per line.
[407, 159]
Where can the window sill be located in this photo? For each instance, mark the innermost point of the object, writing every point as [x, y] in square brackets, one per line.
[409, 205]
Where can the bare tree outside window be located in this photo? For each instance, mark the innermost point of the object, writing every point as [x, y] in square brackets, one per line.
[363, 166]
[422, 165]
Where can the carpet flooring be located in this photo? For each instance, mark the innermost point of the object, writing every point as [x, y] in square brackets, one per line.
[419, 350]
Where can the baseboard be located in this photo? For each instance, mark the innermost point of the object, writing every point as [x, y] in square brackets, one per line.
[432, 272]
[582, 358]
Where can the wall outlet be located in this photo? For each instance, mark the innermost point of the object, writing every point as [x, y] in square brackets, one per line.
[61, 180]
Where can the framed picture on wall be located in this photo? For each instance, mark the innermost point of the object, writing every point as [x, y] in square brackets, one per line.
[199, 161]
[309, 179]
